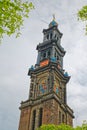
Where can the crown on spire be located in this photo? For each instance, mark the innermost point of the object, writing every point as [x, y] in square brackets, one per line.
[53, 22]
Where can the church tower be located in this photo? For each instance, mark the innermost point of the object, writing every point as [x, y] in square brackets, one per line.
[47, 102]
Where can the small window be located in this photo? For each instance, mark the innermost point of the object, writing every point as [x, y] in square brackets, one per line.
[63, 118]
[55, 54]
[40, 116]
[48, 36]
[44, 55]
[57, 58]
[49, 53]
[51, 36]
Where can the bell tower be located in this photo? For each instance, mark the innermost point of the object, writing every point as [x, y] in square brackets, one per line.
[47, 102]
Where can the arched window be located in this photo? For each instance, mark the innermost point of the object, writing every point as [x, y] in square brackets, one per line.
[57, 57]
[40, 117]
[62, 118]
[33, 119]
[59, 117]
[44, 55]
[48, 54]
[55, 54]
[51, 36]
[47, 36]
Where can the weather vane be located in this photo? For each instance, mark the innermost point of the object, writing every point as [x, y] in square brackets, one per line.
[53, 16]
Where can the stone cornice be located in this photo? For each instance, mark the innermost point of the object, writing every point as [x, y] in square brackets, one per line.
[44, 98]
[52, 66]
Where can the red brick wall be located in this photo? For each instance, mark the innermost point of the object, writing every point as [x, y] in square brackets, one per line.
[24, 119]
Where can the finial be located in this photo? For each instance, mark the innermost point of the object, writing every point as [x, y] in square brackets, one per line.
[53, 22]
[53, 16]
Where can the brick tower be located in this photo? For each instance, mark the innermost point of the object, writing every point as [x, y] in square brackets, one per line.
[47, 102]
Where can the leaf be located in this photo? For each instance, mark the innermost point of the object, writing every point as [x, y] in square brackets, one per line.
[12, 14]
[82, 15]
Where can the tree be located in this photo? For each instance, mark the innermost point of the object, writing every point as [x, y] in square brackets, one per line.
[48, 127]
[82, 15]
[12, 14]
[78, 128]
[62, 127]
[55, 127]
[84, 125]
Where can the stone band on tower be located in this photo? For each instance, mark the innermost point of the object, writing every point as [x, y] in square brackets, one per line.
[47, 103]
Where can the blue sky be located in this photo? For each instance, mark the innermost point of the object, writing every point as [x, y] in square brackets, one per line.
[17, 55]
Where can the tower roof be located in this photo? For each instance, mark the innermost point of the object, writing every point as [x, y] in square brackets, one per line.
[53, 22]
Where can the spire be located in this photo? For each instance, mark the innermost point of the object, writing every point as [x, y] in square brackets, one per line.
[53, 22]
[54, 17]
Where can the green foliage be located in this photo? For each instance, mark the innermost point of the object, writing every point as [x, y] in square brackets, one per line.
[78, 128]
[62, 127]
[84, 125]
[48, 127]
[55, 127]
[12, 14]
[82, 15]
